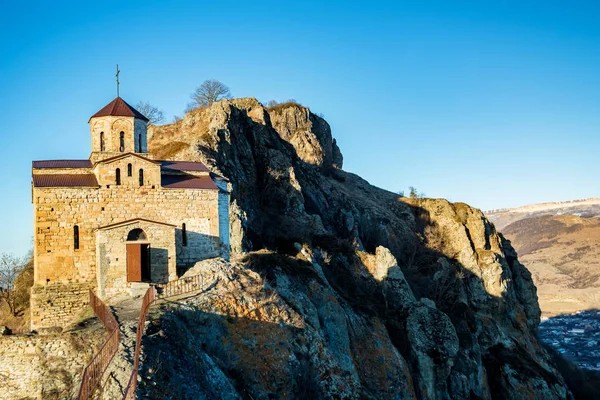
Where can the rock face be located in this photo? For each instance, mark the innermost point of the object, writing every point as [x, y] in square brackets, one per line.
[309, 134]
[341, 289]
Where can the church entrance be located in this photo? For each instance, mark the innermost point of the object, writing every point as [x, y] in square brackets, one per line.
[138, 257]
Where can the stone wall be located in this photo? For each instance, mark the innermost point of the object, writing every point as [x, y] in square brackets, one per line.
[57, 304]
[45, 367]
[112, 255]
[57, 210]
[140, 128]
[106, 172]
[112, 127]
[224, 218]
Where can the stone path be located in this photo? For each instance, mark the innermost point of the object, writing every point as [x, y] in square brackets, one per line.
[116, 377]
[127, 311]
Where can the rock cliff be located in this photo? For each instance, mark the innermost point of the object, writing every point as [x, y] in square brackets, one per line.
[339, 289]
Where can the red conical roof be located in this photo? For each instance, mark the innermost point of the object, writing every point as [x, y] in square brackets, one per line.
[119, 108]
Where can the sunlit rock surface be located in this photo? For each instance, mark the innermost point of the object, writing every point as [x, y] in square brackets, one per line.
[339, 289]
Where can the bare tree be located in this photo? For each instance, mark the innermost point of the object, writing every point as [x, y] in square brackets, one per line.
[207, 93]
[10, 268]
[414, 194]
[154, 114]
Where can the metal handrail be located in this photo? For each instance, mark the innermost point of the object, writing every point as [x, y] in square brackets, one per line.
[92, 374]
[179, 286]
[160, 291]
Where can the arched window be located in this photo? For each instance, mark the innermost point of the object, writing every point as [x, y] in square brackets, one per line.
[102, 146]
[141, 177]
[76, 237]
[118, 173]
[183, 235]
[140, 143]
[122, 142]
[129, 170]
[136, 234]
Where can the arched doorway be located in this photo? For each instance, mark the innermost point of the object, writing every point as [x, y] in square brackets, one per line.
[138, 257]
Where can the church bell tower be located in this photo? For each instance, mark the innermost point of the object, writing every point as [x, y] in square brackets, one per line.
[116, 129]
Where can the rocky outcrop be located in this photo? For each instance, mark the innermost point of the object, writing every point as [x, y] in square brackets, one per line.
[344, 289]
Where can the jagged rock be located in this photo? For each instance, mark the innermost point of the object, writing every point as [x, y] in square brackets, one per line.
[338, 158]
[396, 290]
[433, 344]
[324, 293]
[309, 134]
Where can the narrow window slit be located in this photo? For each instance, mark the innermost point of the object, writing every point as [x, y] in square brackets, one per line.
[76, 237]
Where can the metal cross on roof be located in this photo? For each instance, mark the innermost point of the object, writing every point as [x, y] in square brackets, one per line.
[117, 75]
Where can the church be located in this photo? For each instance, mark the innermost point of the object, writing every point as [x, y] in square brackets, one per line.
[120, 220]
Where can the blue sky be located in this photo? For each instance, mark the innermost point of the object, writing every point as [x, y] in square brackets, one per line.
[492, 103]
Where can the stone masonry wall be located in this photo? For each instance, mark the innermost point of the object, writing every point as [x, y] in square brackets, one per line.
[45, 367]
[112, 255]
[106, 173]
[57, 304]
[112, 127]
[140, 129]
[57, 210]
[224, 218]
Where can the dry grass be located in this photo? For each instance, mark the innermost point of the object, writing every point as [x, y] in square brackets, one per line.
[267, 263]
[170, 141]
[19, 324]
[278, 107]
[170, 150]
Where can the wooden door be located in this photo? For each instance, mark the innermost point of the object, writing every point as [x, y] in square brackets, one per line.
[134, 262]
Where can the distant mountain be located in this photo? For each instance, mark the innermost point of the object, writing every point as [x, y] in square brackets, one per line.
[560, 244]
[582, 208]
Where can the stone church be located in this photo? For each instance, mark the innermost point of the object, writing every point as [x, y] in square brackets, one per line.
[120, 220]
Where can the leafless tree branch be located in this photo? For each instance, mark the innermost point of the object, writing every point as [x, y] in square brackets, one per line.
[154, 114]
[207, 93]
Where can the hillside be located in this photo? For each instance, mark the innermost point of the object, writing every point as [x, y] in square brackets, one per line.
[339, 289]
[506, 216]
[563, 254]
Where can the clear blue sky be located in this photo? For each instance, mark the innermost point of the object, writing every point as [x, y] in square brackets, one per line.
[496, 104]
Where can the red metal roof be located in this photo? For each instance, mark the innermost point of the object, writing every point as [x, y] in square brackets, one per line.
[62, 164]
[187, 182]
[183, 166]
[65, 180]
[118, 107]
